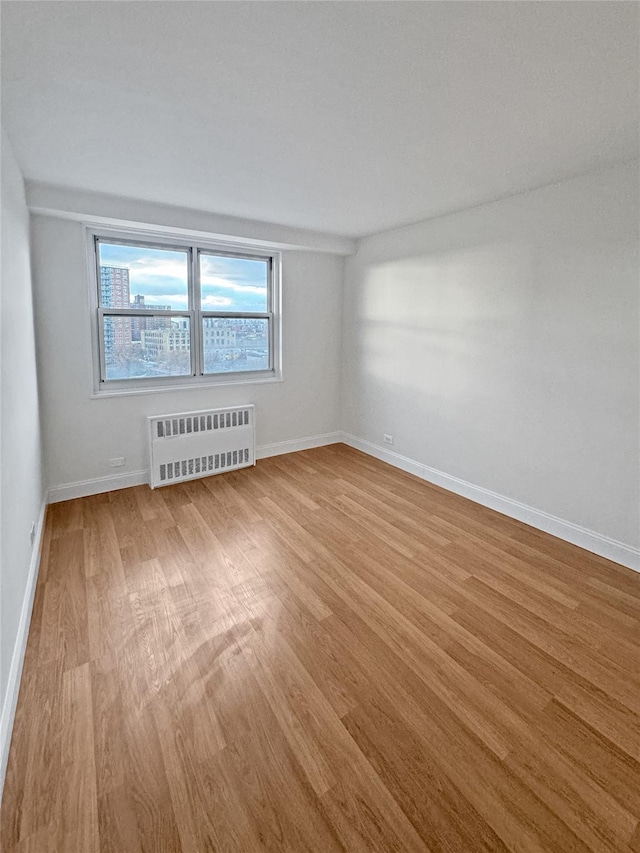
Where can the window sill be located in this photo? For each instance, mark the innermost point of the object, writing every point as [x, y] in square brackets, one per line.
[209, 384]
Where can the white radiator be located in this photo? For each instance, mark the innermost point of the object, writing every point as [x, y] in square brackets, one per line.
[197, 444]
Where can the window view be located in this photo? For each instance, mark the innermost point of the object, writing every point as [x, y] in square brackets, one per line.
[235, 344]
[151, 327]
[239, 286]
[136, 279]
[161, 348]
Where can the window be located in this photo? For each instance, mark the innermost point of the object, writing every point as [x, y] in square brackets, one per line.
[172, 312]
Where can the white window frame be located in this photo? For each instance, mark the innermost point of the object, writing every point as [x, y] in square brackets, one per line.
[194, 247]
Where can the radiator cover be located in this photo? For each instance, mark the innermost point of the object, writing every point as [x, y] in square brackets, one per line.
[190, 445]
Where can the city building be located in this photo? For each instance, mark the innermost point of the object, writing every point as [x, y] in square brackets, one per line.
[138, 324]
[157, 341]
[114, 289]
[177, 337]
[218, 333]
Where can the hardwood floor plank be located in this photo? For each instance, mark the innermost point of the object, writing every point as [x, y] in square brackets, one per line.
[76, 786]
[609, 766]
[584, 806]
[312, 643]
[322, 653]
[108, 724]
[605, 715]
[441, 814]
[36, 754]
[459, 753]
[466, 697]
[117, 822]
[147, 787]
[278, 803]
[522, 652]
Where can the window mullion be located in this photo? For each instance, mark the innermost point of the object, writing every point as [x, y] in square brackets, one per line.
[144, 312]
[270, 306]
[237, 315]
[197, 357]
[271, 342]
[101, 351]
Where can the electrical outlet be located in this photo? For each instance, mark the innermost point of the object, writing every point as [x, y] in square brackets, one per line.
[32, 534]
[117, 462]
[388, 439]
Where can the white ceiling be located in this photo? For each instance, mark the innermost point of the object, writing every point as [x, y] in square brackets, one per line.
[346, 117]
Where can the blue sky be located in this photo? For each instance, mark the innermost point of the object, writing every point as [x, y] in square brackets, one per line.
[228, 284]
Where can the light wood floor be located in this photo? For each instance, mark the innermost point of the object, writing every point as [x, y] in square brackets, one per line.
[319, 654]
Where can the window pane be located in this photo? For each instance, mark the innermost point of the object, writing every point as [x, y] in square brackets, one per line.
[136, 347]
[233, 284]
[235, 345]
[143, 277]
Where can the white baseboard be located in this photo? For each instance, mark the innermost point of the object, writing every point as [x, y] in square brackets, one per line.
[389, 456]
[611, 549]
[17, 659]
[296, 444]
[99, 485]
[84, 488]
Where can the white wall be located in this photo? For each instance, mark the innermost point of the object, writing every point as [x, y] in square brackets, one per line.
[21, 492]
[500, 345]
[82, 434]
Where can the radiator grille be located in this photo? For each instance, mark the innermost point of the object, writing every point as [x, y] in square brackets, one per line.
[202, 465]
[198, 444]
[185, 424]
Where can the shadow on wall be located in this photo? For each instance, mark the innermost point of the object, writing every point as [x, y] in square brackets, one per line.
[440, 335]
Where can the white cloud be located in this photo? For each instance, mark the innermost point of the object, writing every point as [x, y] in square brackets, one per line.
[213, 302]
[208, 280]
[152, 268]
[175, 300]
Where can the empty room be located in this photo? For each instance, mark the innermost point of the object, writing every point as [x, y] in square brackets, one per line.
[320, 426]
